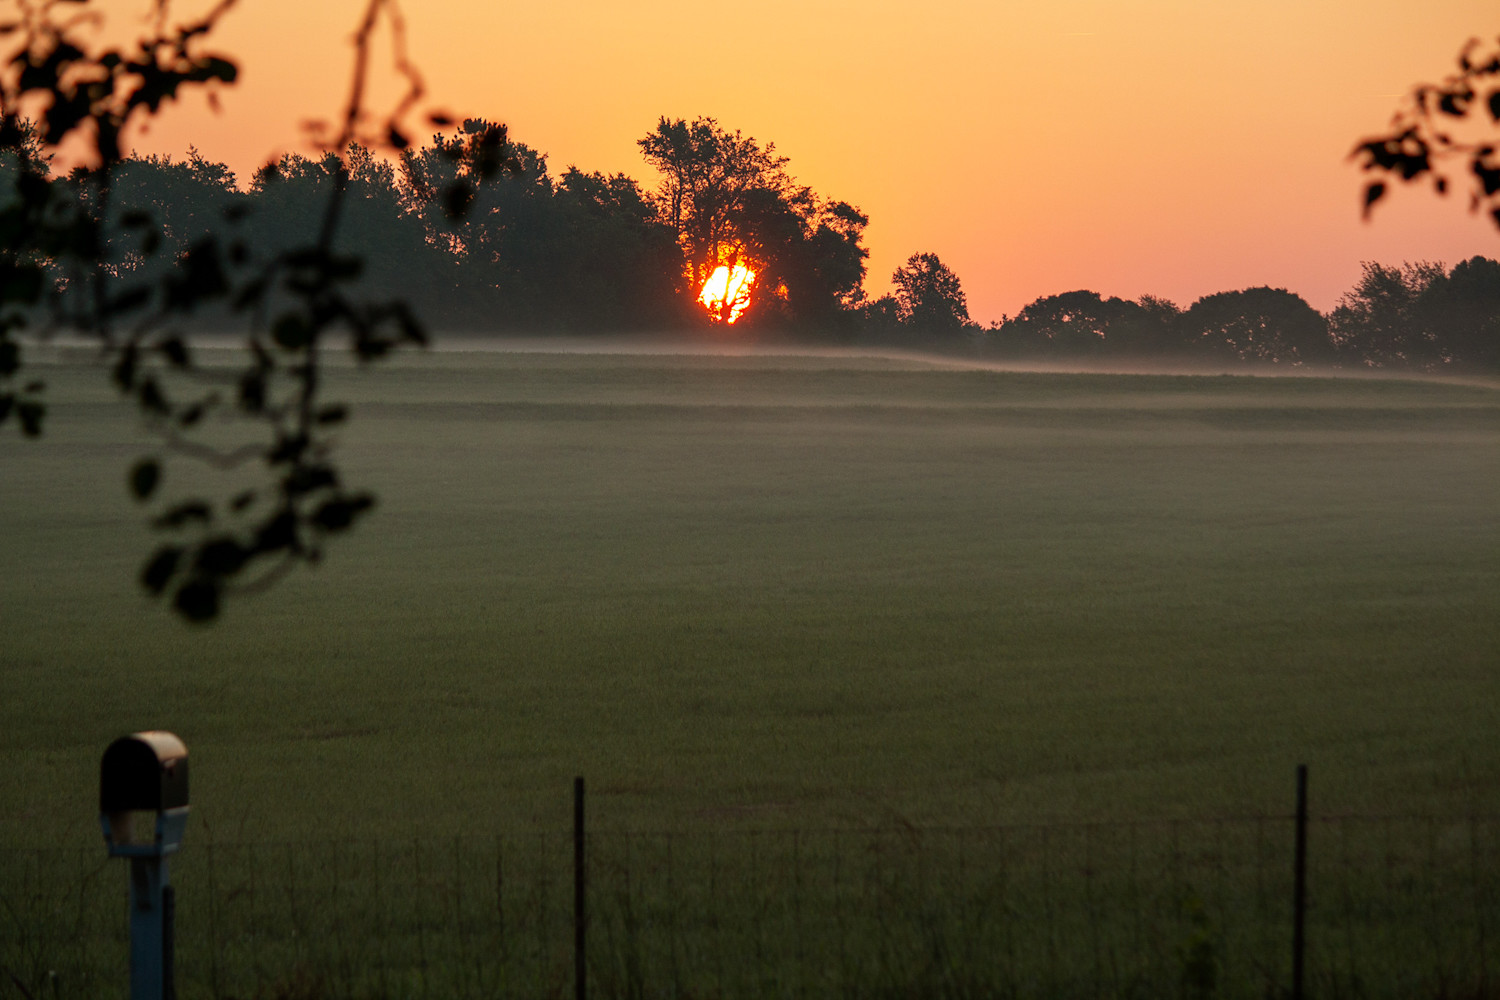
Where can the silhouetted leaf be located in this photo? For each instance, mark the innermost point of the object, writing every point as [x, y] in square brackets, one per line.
[215, 68]
[10, 357]
[175, 351]
[1373, 193]
[1455, 103]
[199, 276]
[160, 568]
[192, 415]
[288, 448]
[304, 479]
[124, 370]
[280, 532]
[369, 346]
[198, 600]
[30, 415]
[291, 331]
[1489, 177]
[339, 513]
[151, 397]
[130, 298]
[344, 267]
[1494, 103]
[221, 557]
[185, 513]
[250, 294]
[145, 475]
[242, 500]
[252, 391]
[411, 329]
[334, 414]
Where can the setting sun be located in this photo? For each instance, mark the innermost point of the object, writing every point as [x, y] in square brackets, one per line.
[726, 293]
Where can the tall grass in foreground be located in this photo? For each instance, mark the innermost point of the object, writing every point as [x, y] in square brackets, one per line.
[1399, 907]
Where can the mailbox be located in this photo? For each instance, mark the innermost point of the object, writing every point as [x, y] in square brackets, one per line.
[143, 794]
[143, 807]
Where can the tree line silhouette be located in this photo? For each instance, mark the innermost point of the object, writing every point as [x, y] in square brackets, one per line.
[365, 246]
[516, 249]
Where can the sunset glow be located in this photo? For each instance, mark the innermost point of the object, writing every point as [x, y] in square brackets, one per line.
[1167, 147]
[726, 293]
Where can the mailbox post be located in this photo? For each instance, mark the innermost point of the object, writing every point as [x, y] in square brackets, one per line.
[143, 808]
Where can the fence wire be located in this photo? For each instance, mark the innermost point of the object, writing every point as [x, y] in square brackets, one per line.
[1397, 907]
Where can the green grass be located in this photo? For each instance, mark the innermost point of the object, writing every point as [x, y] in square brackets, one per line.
[888, 678]
[1399, 909]
[788, 592]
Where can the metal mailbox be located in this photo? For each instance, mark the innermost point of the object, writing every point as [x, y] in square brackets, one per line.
[143, 793]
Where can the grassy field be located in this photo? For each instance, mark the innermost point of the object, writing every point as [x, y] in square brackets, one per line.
[888, 677]
[765, 591]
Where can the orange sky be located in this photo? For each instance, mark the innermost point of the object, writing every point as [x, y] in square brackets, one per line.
[1170, 147]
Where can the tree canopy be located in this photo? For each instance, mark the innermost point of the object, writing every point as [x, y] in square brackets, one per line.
[730, 201]
[929, 296]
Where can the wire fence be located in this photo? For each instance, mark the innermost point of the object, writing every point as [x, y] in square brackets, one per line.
[1397, 907]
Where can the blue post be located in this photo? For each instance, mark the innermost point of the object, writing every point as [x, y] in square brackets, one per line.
[148, 974]
[150, 895]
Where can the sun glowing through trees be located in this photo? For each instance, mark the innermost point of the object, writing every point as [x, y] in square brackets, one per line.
[726, 293]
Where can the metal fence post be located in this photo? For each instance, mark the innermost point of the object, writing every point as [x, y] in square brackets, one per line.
[1299, 885]
[580, 965]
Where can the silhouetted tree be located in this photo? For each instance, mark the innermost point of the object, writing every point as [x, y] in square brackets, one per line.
[624, 267]
[880, 319]
[929, 296]
[583, 252]
[1378, 323]
[1258, 324]
[1462, 312]
[1075, 324]
[707, 174]
[731, 201]
[809, 261]
[1154, 329]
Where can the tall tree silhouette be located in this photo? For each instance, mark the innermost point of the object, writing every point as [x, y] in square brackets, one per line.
[731, 201]
[1462, 309]
[929, 296]
[708, 174]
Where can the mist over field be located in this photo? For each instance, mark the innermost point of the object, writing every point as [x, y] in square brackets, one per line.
[739, 586]
[855, 650]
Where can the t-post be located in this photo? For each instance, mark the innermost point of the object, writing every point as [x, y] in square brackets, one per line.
[1299, 884]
